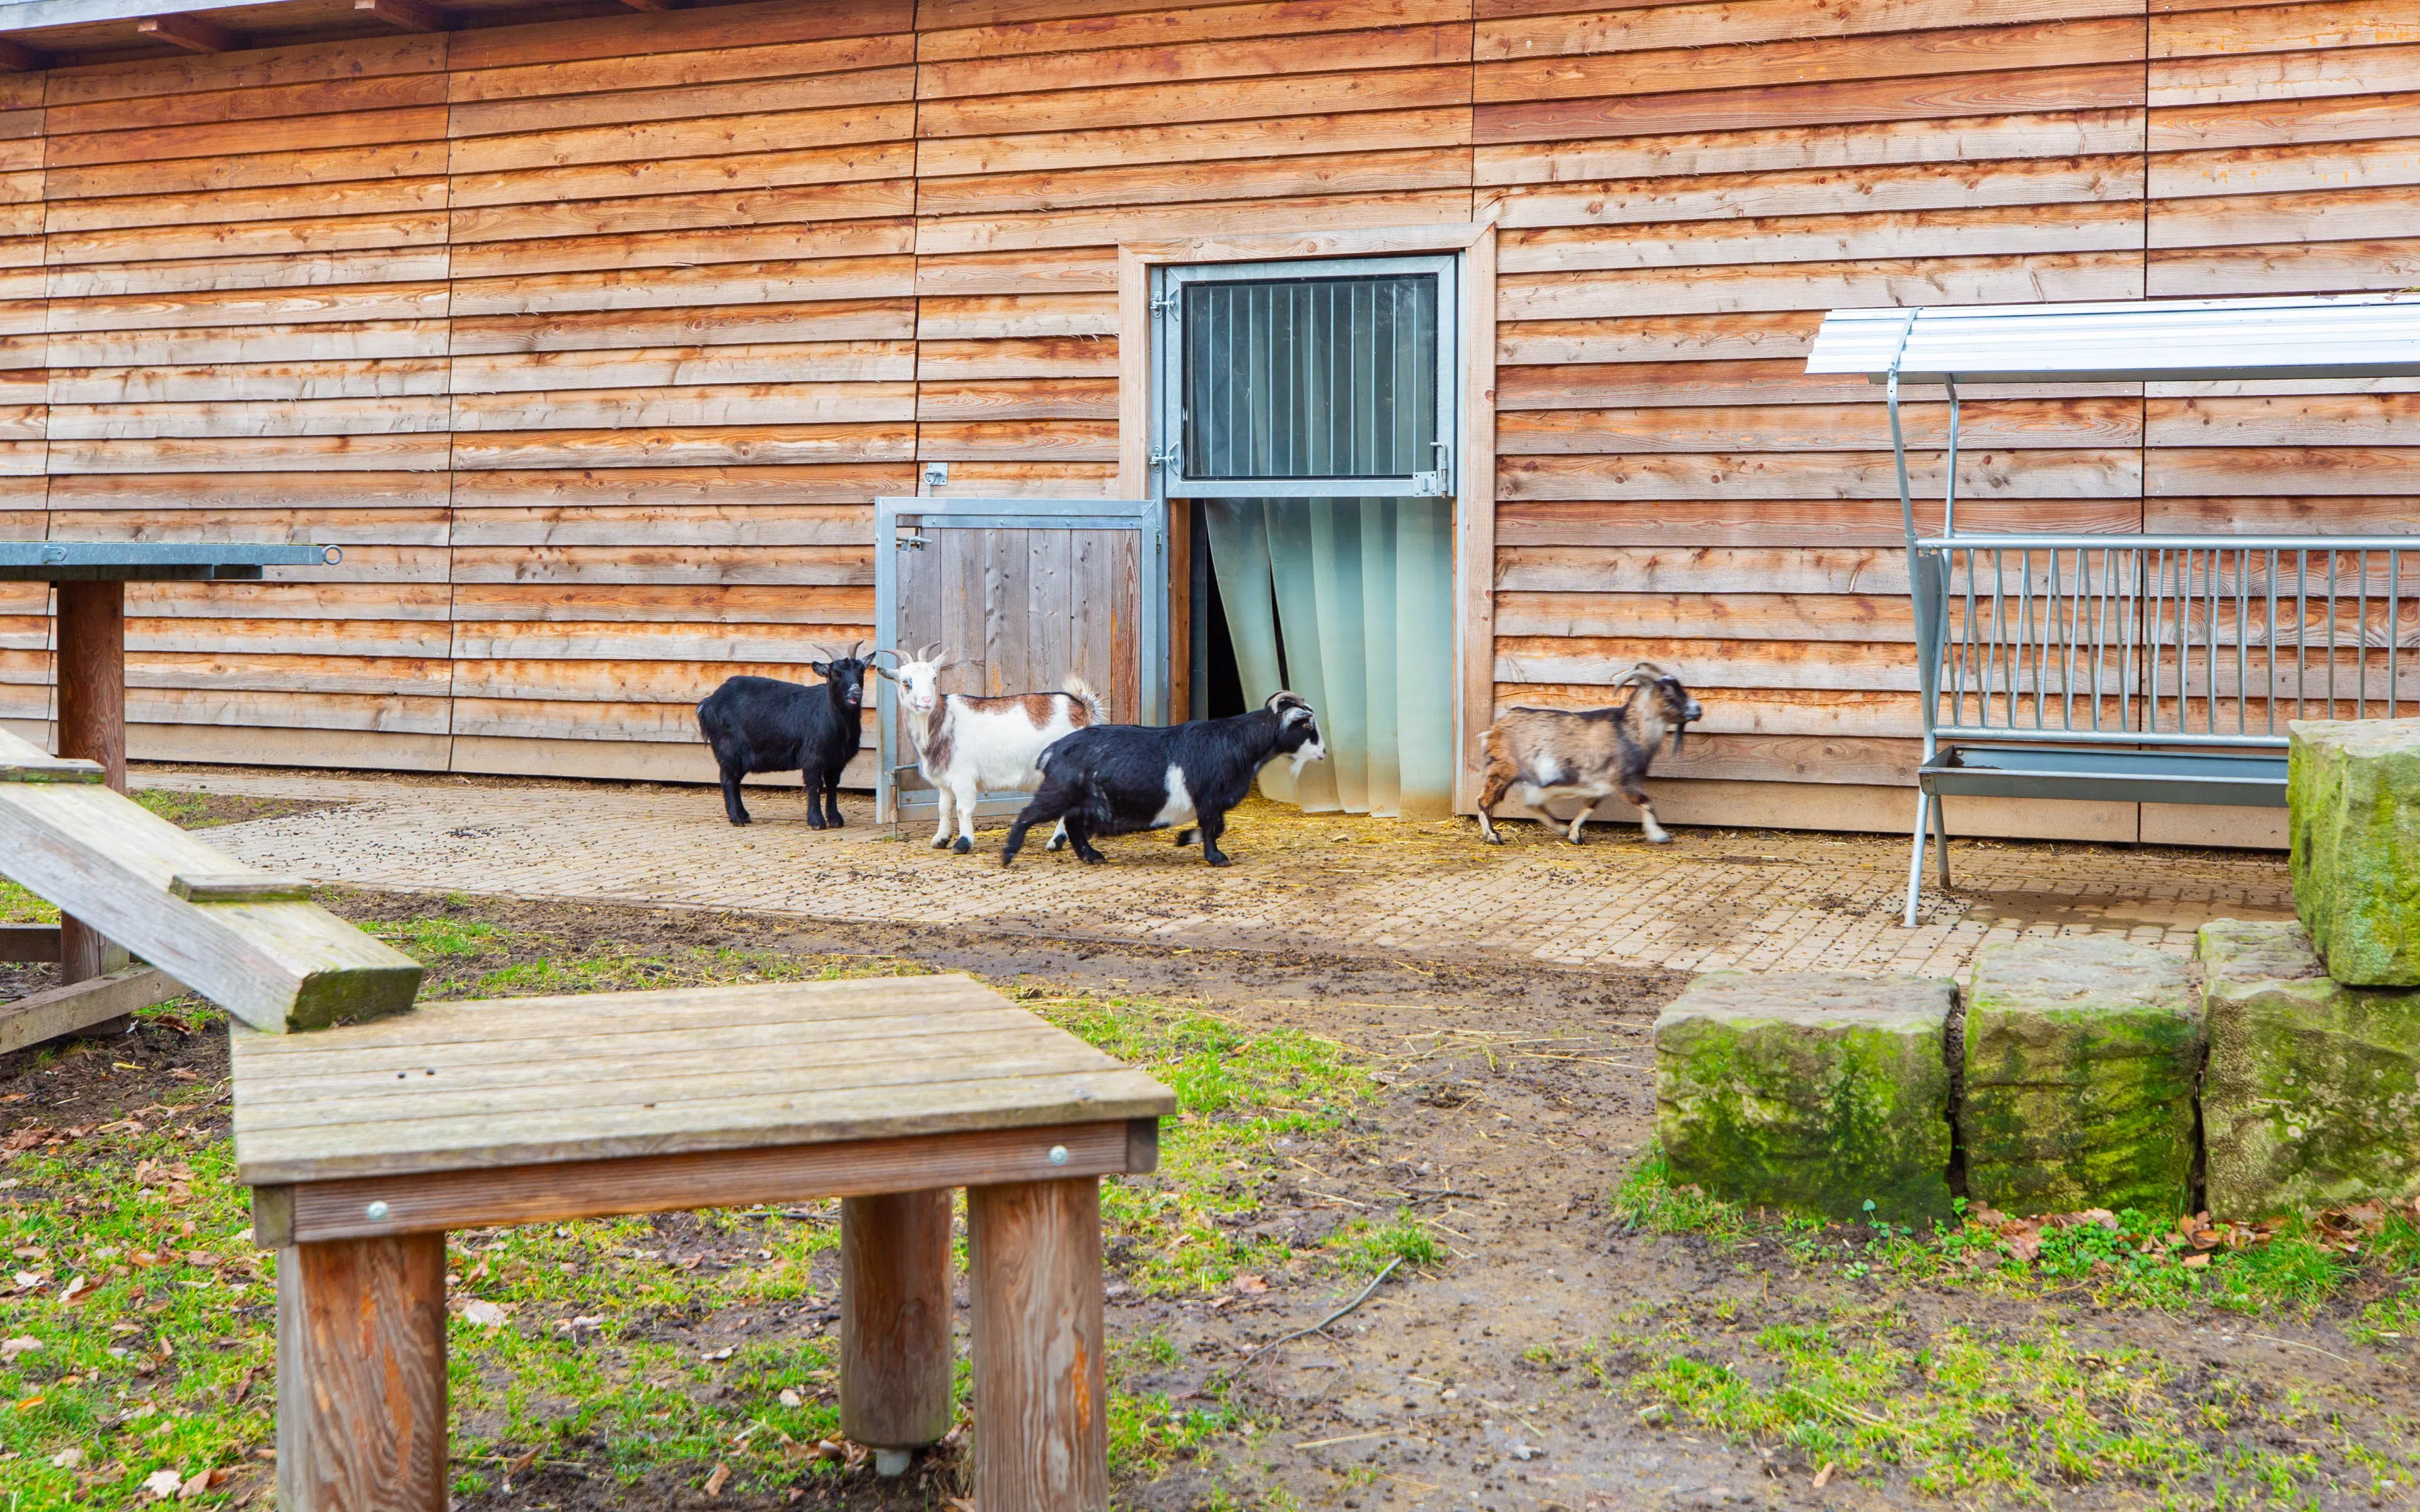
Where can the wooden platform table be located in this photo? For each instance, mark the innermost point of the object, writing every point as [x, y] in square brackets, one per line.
[363, 1145]
[90, 578]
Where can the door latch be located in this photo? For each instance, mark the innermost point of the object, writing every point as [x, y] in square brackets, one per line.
[1173, 458]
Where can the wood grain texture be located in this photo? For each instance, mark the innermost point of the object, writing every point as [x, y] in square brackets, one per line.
[361, 1375]
[563, 328]
[110, 863]
[894, 1319]
[1040, 1383]
[659, 1073]
[555, 1191]
[89, 1002]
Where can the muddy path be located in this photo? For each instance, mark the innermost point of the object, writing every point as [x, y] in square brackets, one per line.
[1513, 1101]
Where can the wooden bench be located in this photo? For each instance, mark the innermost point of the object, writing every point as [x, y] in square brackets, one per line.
[363, 1145]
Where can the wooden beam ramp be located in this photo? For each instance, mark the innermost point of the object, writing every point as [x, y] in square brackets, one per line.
[249, 941]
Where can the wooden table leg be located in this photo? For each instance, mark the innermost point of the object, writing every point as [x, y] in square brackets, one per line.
[1042, 1434]
[92, 725]
[361, 1375]
[894, 1323]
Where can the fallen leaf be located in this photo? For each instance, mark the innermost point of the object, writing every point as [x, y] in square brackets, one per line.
[960, 1504]
[484, 1313]
[201, 1481]
[717, 1478]
[31, 1252]
[791, 1398]
[244, 1384]
[67, 1458]
[78, 1290]
[521, 1466]
[22, 1344]
[718, 1355]
[2195, 1262]
[1248, 1286]
[1823, 1476]
[163, 1484]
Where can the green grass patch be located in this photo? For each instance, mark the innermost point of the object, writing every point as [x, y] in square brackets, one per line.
[2141, 1262]
[1245, 1098]
[1972, 1416]
[18, 906]
[645, 1348]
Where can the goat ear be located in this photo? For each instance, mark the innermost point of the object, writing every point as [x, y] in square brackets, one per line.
[884, 672]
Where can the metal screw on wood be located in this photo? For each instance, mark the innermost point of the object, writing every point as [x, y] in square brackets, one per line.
[376, 1212]
[1058, 1154]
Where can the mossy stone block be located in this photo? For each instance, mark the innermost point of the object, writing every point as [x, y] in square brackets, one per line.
[1814, 1092]
[2081, 1056]
[2353, 796]
[2312, 1095]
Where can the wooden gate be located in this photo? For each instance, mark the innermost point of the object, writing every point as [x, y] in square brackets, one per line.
[1023, 592]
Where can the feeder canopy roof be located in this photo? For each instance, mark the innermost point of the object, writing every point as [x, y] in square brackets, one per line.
[2330, 337]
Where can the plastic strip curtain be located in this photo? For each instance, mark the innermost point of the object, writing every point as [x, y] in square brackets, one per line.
[1349, 598]
[1352, 600]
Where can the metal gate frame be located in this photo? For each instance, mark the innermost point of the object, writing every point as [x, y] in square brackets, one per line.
[1148, 518]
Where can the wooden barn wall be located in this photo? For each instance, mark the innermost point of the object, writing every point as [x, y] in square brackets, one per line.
[591, 342]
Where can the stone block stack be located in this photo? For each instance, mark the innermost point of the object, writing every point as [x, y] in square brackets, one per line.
[2085, 1072]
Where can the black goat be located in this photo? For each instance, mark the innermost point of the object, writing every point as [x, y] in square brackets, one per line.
[1117, 779]
[1538, 755]
[762, 724]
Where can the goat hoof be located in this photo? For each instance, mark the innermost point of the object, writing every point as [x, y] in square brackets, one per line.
[941, 842]
[1217, 859]
[962, 846]
[1058, 843]
[1659, 839]
[1492, 837]
[834, 819]
[741, 819]
[1091, 857]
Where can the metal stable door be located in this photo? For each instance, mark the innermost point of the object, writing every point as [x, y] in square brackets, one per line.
[1022, 592]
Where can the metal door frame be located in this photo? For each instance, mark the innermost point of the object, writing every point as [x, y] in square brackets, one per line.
[1167, 300]
[1148, 518]
[1166, 419]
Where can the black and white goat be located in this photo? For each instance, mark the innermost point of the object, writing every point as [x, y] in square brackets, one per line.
[967, 745]
[1539, 755]
[1118, 779]
[762, 724]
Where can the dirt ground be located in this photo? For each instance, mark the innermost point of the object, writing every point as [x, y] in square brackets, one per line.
[1513, 1100]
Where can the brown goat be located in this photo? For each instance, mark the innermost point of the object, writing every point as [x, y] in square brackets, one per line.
[1539, 755]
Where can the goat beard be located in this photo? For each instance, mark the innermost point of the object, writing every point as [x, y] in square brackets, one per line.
[1679, 731]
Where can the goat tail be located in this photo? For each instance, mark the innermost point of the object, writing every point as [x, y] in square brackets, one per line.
[1081, 691]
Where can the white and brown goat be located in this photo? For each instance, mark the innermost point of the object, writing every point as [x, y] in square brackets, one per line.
[967, 745]
[1537, 756]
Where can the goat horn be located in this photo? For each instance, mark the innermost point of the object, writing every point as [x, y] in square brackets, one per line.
[852, 648]
[884, 651]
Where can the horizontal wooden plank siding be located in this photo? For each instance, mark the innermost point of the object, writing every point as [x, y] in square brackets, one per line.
[592, 341]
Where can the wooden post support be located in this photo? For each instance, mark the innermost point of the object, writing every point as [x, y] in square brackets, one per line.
[361, 1375]
[894, 1319]
[1041, 1436]
[92, 727]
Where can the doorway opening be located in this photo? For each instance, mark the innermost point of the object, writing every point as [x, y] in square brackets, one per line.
[1308, 414]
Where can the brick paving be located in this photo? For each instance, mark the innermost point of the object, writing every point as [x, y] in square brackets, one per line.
[1757, 901]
